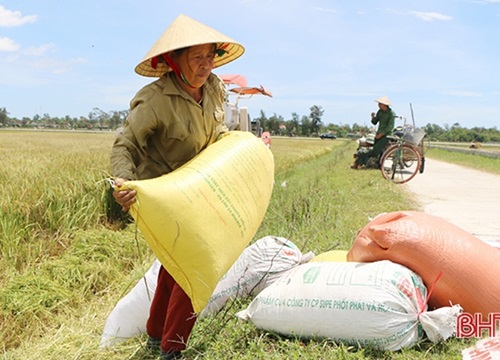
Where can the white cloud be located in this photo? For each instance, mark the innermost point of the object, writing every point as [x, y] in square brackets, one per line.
[430, 16]
[14, 18]
[40, 50]
[8, 45]
[56, 66]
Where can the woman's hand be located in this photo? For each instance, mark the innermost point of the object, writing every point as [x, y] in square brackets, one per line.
[123, 197]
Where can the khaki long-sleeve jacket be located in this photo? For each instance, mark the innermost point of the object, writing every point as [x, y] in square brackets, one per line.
[166, 128]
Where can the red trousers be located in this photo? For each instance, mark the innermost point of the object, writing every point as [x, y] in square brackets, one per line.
[171, 316]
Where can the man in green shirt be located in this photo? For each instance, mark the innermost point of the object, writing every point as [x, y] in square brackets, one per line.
[385, 119]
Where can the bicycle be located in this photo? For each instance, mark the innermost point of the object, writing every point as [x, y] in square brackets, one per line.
[403, 159]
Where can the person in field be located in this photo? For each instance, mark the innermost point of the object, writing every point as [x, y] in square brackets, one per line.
[385, 118]
[172, 120]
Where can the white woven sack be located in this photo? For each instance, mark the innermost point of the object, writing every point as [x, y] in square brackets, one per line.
[377, 304]
[128, 318]
[258, 266]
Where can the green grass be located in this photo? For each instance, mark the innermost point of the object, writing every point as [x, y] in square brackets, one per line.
[483, 163]
[64, 264]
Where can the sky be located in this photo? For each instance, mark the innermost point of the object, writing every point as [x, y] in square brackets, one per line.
[442, 57]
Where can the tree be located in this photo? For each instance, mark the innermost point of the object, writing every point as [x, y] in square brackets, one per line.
[434, 132]
[294, 125]
[100, 117]
[273, 124]
[306, 126]
[117, 118]
[3, 116]
[262, 119]
[315, 117]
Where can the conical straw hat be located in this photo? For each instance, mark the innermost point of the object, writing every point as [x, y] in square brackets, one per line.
[383, 100]
[185, 32]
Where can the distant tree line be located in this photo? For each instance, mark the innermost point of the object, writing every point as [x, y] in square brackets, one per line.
[307, 125]
[312, 125]
[97, 119]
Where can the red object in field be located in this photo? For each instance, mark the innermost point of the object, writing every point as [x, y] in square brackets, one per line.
[266, 137]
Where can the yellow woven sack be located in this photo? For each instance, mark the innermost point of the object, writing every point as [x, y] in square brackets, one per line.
[199, 218]
[331, 256]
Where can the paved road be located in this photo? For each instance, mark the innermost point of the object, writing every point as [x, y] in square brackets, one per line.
[467, 198]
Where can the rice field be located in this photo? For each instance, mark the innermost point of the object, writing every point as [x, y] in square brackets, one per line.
[68, 254]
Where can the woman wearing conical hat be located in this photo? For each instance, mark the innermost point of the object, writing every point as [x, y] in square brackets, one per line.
[171, 120]
[385, 118]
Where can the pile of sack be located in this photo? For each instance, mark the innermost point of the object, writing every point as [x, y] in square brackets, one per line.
[407, 276]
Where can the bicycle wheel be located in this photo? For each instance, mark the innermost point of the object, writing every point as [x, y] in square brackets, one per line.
[400, 163]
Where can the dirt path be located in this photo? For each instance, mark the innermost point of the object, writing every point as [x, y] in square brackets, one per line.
[467, 198]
